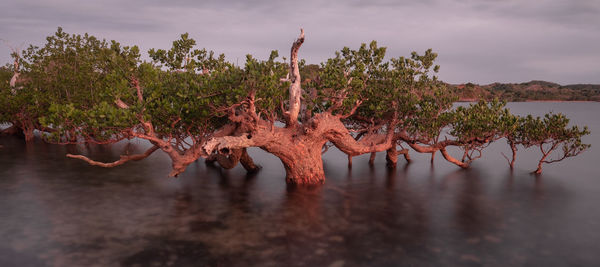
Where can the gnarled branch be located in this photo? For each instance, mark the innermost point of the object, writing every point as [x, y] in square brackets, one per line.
[295, 89]
[339, 135]
[228, 142]
[451, 159]
[122, 160]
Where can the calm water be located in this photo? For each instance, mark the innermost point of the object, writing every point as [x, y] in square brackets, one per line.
[56, 211]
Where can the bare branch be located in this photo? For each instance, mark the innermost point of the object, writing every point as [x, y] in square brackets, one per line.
[122, 160]
[16, 73]
[352, 111]
[295, 89]
[140, 93]
[121, 104]
[228, 142]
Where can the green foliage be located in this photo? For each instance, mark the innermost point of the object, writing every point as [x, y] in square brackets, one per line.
[350, 76]
[549, 132]
[310, 72]
[183, 56]
[483, 122]
[425, 116]
[194, 101]
[100, 123]
[5, 94]
[189, 99]
[19, 107]
[263, 78]
[78, 87]
[403, 87]
[65, 84]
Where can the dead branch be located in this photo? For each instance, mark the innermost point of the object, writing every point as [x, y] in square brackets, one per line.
[295, 89]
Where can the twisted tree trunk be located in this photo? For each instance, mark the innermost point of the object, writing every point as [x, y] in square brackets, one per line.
[303, 164]
[299, 147]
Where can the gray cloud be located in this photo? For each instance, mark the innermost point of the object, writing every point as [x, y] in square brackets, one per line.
[478, 40]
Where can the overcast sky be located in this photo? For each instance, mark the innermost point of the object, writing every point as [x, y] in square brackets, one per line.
[480, 41]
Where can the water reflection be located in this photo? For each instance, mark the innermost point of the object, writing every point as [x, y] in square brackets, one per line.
[472, 211]
[62, 212]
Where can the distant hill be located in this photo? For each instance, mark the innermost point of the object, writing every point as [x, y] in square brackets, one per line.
[511, 92]
[528, 91]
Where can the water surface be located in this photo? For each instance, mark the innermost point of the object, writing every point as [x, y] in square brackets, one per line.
[56, 211]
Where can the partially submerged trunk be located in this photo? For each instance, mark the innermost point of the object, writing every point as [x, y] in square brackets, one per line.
[439, 146]
[513, 148]
[451, 159]
[248, 163]
[300, 153]
[539, 168]
[544, 156]
[303, 165]
[25, 129]
[28, 133]
[372, 158]
[299, 147]
[391, 157]
[392, 154]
